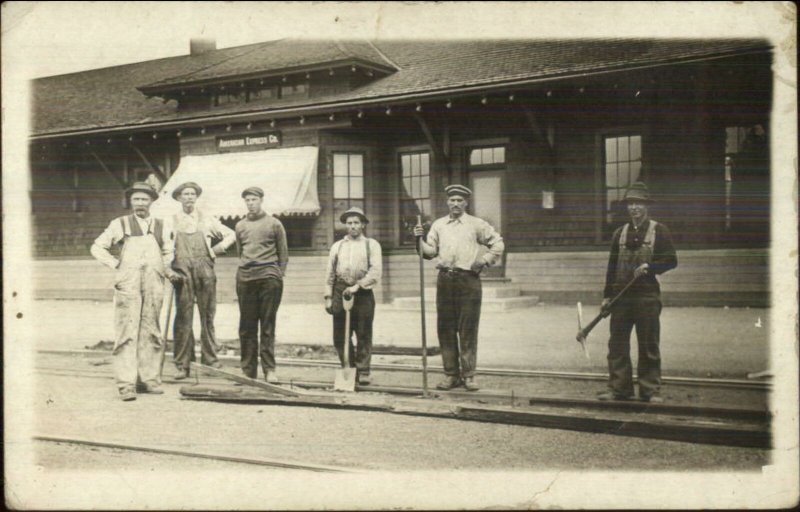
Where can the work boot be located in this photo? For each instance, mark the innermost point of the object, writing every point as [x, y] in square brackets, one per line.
[653, 399]
[469, 383]
[181, 374]
[364, 379]
[449, 382]
[127, 394]
[152, 388]
[271, 377]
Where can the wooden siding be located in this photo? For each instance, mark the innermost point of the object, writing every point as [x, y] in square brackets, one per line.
[721, 277]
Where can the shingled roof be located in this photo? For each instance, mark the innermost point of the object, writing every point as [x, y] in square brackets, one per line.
[109, 97]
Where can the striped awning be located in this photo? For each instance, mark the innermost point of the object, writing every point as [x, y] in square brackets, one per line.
[288, 177]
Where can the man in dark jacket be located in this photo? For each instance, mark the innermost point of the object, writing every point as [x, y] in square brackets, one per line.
[641, 250]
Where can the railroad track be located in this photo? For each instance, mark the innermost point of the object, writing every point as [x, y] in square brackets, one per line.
[732, 426]
[272, 463]
[744, 384]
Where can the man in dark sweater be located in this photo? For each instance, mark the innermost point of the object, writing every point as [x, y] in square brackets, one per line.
[640, 249]
[264, 255]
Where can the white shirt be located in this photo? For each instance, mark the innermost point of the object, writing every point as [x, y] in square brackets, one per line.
[347, 261]
[211, 228]
[458, 240]
[113, 234]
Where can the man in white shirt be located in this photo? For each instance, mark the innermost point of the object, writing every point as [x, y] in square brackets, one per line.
[144, 262]
[455, 240]
[199, 238]
[354, 268]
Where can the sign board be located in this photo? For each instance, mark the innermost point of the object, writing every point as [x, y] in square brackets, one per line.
[249, 141]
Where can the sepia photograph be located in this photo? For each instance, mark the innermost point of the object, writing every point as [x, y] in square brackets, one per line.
[378, 256]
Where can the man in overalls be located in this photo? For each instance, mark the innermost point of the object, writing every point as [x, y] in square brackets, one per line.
[640, 249]
[144, 262]
[354, 267]
[199, 238]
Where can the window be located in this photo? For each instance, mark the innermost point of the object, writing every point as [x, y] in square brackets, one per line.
[348, 184]
[263, 93]
[229, 97]
[415, 192]
[487, 156]
[746, 158]
[299, 90]
[622, 166]
[299, 231]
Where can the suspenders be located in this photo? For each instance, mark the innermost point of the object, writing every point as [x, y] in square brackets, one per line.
[649, 237]
[339, 250]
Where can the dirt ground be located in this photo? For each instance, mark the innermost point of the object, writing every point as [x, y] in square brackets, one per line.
[708, 342]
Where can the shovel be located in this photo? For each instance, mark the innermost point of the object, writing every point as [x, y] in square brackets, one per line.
[345, 379]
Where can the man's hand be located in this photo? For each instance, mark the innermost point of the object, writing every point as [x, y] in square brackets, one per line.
[173, 276]
[479, 265]
[329, 305]
[419, 230]
[218, 250]
[352, 290]
[605, 303]
[641, 270]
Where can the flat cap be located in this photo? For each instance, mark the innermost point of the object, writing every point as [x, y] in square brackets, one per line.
[184, 186]
[457, 190]
[253, 191]
[141, 186]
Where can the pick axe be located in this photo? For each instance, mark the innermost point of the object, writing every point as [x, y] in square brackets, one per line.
[604, 312]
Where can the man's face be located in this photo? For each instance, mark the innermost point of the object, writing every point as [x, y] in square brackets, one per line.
[457, 205]
[354, 226]
[253, 203]
[140, 204]
[187, 198]
[637, 210]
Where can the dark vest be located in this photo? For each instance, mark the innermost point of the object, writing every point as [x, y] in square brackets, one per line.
[131, 227]
[631, 258]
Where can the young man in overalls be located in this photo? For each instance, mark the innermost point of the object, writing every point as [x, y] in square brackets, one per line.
[354, 267]
[199, 238]
[144, 262]
[640, 249]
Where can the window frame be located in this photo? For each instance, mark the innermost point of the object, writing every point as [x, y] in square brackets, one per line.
[399, 153]
[603, 229]
[332, 152]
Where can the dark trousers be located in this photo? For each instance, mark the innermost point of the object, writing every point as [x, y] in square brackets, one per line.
[458, 306]
[361, 317]
[200, 284]
[642, 312]
[258, 306]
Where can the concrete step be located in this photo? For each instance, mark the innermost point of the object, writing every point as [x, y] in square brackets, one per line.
[489, 292]
[487, 304]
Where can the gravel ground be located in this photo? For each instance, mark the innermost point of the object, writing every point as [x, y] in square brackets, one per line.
[88, 408]
[716, 342]
[53, 456]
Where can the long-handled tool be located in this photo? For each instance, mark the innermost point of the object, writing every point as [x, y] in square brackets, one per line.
[166, 322]
[345, 379]
[422, 309]
[604, 312]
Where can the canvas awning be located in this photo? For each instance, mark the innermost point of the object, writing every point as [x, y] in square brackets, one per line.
[288, 177]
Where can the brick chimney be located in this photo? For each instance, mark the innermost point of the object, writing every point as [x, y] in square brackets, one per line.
[201, 45]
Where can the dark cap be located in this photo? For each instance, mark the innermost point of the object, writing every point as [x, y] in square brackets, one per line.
[183, 186]
[253, 191]
[141, 186]
[354, 211]
[637, 192]
[457, 190]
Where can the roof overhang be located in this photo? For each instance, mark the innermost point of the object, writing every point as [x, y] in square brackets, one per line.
[335, 106]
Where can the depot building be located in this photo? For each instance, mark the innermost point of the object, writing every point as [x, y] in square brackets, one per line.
[547, 133]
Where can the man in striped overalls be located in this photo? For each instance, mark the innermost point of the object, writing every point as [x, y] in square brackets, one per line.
[641, 249]
[144, 261]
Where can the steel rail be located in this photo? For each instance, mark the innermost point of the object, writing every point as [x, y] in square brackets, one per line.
[274, 463]
[497, 372]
